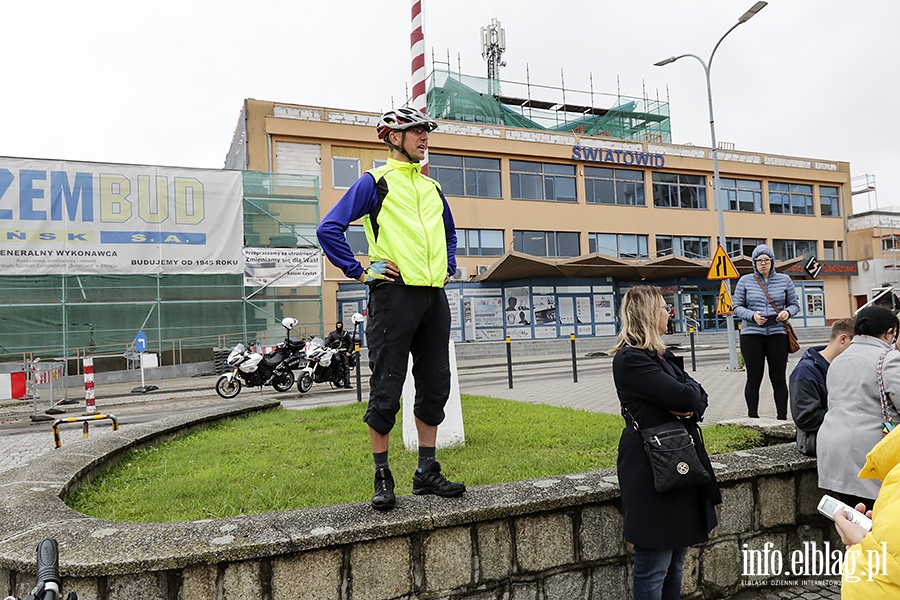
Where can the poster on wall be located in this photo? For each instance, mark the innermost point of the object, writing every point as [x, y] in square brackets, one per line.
[488, 335]
[282, 267]
[583, 310]
[544, 310]
[488, 312]
[603, 307]
[519, 333]
[517, 308]
[566, 310]
[75, 218]
[453, 301]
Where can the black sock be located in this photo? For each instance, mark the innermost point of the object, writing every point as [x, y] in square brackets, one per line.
[426, 457]
[381, 459]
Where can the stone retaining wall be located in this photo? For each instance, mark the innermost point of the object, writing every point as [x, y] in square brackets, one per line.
[545, 539]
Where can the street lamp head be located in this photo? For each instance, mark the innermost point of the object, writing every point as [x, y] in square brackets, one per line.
[753, 10]
[665, 61]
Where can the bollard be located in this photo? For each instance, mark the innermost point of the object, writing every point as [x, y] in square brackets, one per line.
[84, 430]
[358, 377]
[574, 359]
[90, 406]
[693, 352]
[509, 361]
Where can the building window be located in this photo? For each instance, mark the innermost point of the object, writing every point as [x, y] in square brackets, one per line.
[541, 181]
[622, 245]
[345, 171]
[674, 190]
[790, 198]
[614, 186]
[739, 246]
[377, 162]
[356, 238]
[682, 245]
[833, 251]
[788, 249]
[547, 243]
[741, 194]
[890, 243]
[466, 175]
[830, 201]
[479, 242]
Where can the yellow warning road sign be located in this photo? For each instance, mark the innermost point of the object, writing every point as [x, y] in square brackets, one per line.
[724, 306]
[721, 267]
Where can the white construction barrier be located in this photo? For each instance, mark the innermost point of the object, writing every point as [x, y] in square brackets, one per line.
[451, 432]
[12, 385]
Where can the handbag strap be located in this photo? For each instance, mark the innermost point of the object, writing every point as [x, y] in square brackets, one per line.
[886, 402]
[766, 292]
[627, 415]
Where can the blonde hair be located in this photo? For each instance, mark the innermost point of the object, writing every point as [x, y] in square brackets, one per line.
[639, 316]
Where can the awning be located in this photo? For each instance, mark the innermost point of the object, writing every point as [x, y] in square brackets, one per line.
[517, 265]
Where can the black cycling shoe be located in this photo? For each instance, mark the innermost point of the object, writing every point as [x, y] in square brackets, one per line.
[383, 498]
[430, 481]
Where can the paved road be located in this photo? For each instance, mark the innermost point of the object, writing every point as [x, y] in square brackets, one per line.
[545, 382]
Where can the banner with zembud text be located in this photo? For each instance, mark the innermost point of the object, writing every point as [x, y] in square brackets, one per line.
[77, 218]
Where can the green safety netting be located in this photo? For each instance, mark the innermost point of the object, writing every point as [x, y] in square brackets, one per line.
[464, 98]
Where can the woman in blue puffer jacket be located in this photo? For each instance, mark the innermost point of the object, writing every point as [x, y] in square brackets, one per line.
[763, 338]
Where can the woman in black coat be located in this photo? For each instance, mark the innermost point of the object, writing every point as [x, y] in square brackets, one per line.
[654, 389]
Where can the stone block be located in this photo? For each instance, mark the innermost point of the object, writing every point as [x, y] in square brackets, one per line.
[544, 542]
[570, 585]
[380, 569]
[524, 591]
[720, 565]
[610, 581]
[308, 576]
[777, 501]
[691, 572]
[735, 514]
[198, 581]
[601, 532]
[494, 550]
[139, 586]
[85, 587]
[448, 559]
[242, 581]
[809, 494]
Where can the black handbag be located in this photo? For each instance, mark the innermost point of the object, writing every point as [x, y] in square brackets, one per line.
[672, 454]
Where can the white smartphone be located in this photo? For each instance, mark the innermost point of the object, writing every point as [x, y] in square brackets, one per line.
[828, 506]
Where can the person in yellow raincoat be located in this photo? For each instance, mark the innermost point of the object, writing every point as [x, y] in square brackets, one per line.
[872, 564]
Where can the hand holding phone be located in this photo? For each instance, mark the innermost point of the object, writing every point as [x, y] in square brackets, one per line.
[828, 506]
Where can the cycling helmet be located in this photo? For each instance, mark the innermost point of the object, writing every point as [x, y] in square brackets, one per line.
[402, 119]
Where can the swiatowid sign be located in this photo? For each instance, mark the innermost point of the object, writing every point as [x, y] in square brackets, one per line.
[60, 217]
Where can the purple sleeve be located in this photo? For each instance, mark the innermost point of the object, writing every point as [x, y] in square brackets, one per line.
[450, 229]
[357, 202]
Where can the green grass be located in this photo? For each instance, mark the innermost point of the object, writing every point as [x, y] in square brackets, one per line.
[284, 459]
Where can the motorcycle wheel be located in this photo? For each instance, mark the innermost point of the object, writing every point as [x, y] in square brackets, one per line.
[283, 381]
[228, 389]
[304, 384]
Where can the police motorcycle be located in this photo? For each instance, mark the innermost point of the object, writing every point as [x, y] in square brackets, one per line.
[253, 369]
[322, 364]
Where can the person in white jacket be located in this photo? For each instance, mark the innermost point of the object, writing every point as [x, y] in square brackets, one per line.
[853, 423]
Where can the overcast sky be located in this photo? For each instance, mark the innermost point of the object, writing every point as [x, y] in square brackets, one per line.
[162, 82]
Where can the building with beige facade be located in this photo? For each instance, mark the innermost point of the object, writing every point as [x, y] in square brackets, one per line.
[559, 207]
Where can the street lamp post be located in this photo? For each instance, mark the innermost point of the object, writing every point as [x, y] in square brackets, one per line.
[729, 320]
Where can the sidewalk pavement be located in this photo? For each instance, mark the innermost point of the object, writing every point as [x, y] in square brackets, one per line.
[540, 380]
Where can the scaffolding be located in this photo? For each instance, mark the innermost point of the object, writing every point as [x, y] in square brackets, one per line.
[465, 98]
